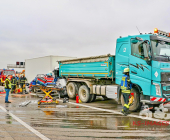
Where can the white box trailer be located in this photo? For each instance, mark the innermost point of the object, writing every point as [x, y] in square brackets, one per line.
[42, 65]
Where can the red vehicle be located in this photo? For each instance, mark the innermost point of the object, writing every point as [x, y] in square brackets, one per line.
[4, 73]
[49, 79]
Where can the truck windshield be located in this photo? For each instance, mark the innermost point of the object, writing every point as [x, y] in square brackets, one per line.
[8, 72]
[160, 50]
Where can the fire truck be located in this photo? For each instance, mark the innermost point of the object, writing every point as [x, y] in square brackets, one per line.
[4, 73]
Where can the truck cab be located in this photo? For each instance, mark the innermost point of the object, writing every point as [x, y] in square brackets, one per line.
[4, 73]
[148, 58]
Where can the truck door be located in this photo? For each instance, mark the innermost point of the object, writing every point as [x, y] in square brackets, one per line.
[139, 63]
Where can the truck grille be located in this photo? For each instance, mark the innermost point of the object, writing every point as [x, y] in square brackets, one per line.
[165, 76]
[166, 89]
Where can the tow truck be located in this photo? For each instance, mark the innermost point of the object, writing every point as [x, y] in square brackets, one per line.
[146, 55]
[4, 73]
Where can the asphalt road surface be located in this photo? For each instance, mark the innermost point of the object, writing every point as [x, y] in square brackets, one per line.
[99, 120]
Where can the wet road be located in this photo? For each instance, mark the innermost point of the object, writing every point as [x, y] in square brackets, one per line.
[99, 120]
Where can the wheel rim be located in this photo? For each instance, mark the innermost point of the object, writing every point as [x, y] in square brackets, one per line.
[71, 90]
[83, 94]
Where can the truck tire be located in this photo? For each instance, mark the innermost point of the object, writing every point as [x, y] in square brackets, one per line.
[84, 94]
[136, 101]
[93, 97]
[77, 85]
[71, 90]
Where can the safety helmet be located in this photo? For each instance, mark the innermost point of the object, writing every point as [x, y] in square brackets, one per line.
[126, 70]
[13, 75]
[50, 71]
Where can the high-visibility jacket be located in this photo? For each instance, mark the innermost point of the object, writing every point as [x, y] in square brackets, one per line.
[13, 81]
[49, 79]
[126, 84]
[23, 80]
[7, 83]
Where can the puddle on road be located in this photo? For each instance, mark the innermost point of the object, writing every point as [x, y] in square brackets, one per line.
[85, 118]
[74, 116]
[7, 119]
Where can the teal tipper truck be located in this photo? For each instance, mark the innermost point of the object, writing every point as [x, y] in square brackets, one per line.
[146, 55]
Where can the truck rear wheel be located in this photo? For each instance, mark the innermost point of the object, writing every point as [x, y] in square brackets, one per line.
[71, 90]
[77, 85]
[136, 101]
[84, 94]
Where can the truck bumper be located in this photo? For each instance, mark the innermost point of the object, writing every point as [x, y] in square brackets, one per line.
[154, 100]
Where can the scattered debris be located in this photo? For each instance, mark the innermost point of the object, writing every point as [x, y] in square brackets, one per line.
[24, 103]
[61, 106]
[66, 100]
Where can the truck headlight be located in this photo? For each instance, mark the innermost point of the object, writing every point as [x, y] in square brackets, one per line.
[158, 89]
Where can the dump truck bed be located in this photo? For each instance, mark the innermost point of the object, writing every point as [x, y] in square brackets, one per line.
[102, 66]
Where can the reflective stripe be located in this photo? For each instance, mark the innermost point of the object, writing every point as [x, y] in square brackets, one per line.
[127, 106]
[124, 82]
[126, 91]
[123, 87]
[9, 85]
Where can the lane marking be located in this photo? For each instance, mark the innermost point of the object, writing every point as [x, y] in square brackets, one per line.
[116, 112]
[26, 125]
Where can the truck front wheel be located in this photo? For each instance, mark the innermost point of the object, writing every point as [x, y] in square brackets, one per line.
[84, 94]
[136, 101]
[71, 90]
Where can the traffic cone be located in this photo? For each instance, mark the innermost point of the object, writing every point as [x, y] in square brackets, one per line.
[77, 98]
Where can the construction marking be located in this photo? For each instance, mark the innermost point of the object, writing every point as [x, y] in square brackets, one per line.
[26, 125]
[116, 112]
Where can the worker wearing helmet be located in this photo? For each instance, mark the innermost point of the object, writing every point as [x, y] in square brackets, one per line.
[7, 88]
[23, 80]
[126, 90]
[56, 74]
[17, 78]
[13, 83]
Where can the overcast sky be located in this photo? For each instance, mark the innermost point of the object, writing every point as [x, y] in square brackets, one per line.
[77, 28]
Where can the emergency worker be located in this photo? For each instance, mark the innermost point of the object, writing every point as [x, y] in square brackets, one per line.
[126, 86]
[17, 78]
[13, 84]
[22, 80]
[56, 74]
[7, 88]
